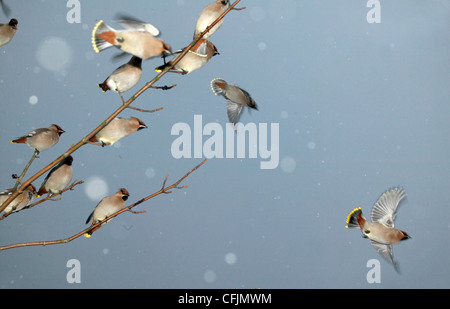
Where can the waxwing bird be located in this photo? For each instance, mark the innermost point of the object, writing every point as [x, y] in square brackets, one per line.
[208, 15]
[138, 39]
[21, 201]
[41, 139]
[58, 178]
[381, 231]
[107, 206]
[124, 77]
[117, 129]
[7, 31]
[235, 96]
[196, 58]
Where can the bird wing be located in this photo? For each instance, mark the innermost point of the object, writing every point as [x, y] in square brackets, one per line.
[233, 111]
[50, 173]
[386, 252]
[90, 217]
[135, 25]
[7, 192]
[201, 50]
[384, 210]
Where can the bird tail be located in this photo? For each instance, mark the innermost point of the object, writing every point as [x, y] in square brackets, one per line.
[103, 36]
[41, 191]
[352, 218]
[89, 233]
[217, 85]
[163, 67]
[104, 86]
[20, 140]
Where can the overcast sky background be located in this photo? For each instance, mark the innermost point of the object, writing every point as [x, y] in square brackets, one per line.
[361, 108]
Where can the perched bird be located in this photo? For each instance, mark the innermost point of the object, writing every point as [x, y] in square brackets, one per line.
[7, 31]
[235, 96]
[22, 200]
[107, 206]
[381, 231]
[117, 129]
[41, 139]
[208, 15]
[124, 77]
[196, 58]
[58, 178]
[138, 39]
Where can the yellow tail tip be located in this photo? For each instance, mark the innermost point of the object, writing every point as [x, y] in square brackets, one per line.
[350, 215]
[87, 235]
[94, 31]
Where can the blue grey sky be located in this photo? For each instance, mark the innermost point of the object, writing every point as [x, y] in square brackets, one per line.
[361, 107]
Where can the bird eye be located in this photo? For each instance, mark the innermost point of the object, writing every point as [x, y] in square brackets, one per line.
[366, 232]
[120, 40]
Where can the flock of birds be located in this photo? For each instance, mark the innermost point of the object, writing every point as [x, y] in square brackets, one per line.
[140, 40]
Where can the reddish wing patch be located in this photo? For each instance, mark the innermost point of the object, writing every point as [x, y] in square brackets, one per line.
[220, 85]
[108, 36]
[361, 220]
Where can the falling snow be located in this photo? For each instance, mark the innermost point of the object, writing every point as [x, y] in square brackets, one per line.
[33, 100]
[230, 258]
[96, 188]
[288, 164]
[54, 54]
[210, 276]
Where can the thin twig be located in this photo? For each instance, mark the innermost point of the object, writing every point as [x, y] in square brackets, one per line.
[19, 179]
[146, 110]
[86, 139]
[47, 198]
[100, 223]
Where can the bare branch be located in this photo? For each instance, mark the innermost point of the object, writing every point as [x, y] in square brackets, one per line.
[146, 110]
[100, 223]
[126, 104]
[19, 179]
[49, 197]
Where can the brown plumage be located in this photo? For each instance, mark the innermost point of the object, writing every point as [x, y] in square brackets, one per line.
[41, 139]
[208, 15]
[235, 97]
[196, 58]
[137, 39]
[381, 231]
[22, 200]
[107, 206]
[124, 77]
[117, 129]
[58, 178]
[7, 31]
